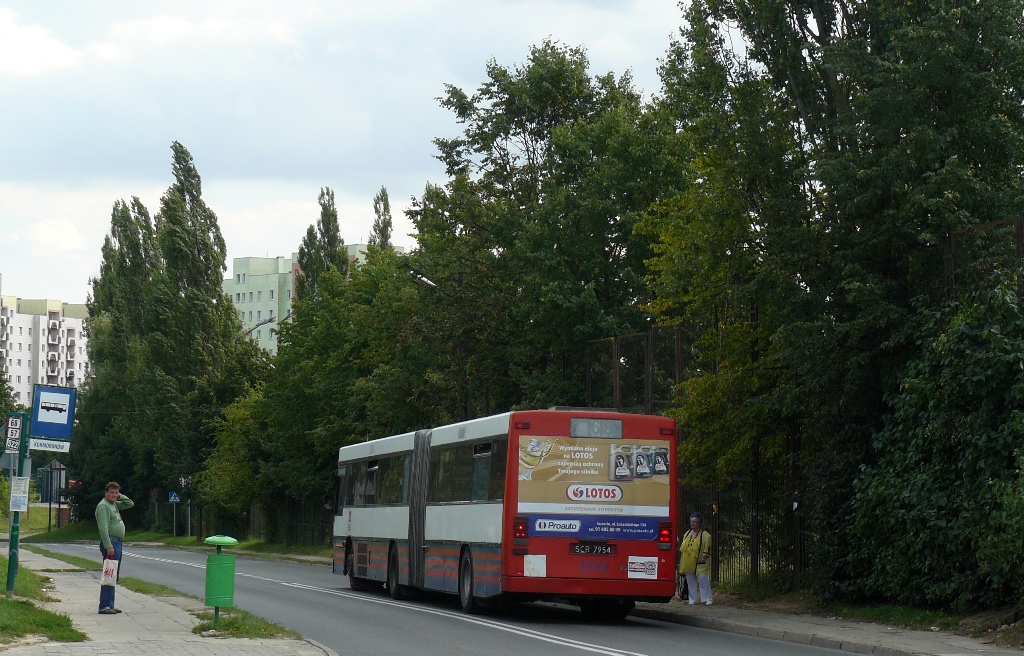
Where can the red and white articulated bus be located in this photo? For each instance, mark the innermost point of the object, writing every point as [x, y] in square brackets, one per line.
[574, 505]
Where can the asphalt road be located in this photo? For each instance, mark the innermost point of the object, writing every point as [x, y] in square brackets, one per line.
[319, 605]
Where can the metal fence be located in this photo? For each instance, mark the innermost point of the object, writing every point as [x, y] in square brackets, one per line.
[758, 533]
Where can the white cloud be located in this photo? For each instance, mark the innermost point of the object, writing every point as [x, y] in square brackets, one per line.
[31, 50]
[273, 99]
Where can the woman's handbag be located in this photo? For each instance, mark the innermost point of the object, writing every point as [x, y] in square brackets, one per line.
[684, 588]
[109, 572]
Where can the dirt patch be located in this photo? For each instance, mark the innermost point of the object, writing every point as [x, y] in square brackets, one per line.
[1001, 626]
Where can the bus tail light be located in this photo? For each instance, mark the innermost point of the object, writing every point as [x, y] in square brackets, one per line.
[522, 425]
[520, 530]
[667, 431]
[664, 535]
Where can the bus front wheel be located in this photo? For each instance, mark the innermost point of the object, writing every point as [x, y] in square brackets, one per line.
[469, 602]
[354, 582]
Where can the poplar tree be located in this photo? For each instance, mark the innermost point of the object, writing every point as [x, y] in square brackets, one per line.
[380, 235]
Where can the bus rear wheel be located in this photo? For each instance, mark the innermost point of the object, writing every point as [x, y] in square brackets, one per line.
[470, 604]
[395, 589]
[354, 582]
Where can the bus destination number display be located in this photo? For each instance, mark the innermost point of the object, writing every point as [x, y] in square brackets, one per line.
[604, 428]
[592, 549]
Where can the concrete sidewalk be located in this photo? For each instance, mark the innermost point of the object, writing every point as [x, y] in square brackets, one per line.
[844, 635]
[150, 626]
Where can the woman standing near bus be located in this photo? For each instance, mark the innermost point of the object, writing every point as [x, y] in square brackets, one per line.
[695, 560]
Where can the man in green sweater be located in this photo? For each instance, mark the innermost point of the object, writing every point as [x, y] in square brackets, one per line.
[108, 519]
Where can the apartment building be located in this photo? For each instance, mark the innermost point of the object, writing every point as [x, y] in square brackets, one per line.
[42, 341]
[262, 287]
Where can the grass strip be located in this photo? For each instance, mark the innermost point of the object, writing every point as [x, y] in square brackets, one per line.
[236, 623]
[19, 618]
[84, 563]
[27, 583]
[893, 615]
[151, 589]
[86, 531]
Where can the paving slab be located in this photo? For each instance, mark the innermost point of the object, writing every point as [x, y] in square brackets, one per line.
[149, 626]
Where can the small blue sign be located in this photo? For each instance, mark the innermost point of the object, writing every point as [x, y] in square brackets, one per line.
[172, 497]
[53, 412]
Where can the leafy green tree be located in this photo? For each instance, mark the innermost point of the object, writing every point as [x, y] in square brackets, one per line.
[380, 234]
[165, 343]
[944, 492]
[7, 403]
[823, 161]
[321, 248]
[536, 225]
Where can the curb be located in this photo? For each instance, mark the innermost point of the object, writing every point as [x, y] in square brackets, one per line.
[811, 639]
[318, 645]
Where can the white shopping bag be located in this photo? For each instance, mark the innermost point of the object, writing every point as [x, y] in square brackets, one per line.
[109, 572]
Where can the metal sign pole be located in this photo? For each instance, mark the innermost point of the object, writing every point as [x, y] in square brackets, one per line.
[12, 555]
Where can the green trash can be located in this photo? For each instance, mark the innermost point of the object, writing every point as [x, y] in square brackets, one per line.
[220, 575]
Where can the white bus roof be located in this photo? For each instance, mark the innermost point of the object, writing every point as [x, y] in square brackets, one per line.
[382, 447]
[473, 429]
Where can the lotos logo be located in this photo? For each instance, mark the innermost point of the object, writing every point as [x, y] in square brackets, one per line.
[557, 525]
[605, 493]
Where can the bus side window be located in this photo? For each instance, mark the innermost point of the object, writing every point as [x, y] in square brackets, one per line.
[356, 494]
[339, 500]
[390, 476]
[442, 463]
[463, 474]
[496, 487]
[370, 489]
[406, 477]
[481, 472]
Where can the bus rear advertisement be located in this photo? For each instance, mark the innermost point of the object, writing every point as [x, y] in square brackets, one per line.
[575, 505]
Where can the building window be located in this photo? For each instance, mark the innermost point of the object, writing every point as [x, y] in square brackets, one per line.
[19, 362]
[19, 330]
[259, 296]
[19, 346]
[19, 379]
[250, 315]
[237, 296]
[271, 315]
[259, 335]
[238, 278]
[271, 294]
[250, 297]
[289, 294]
[259, 315]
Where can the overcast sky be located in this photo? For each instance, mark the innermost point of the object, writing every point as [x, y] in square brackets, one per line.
[274, 99]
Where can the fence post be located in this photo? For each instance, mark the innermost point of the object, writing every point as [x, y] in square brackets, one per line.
[616, 383]
[755, 532]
